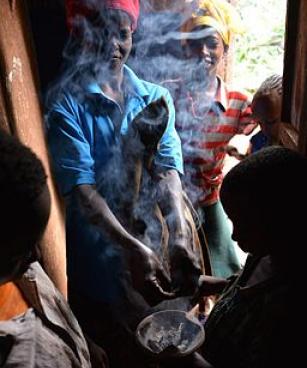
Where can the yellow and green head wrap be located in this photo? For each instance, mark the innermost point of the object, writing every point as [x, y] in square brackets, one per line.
[218, 14]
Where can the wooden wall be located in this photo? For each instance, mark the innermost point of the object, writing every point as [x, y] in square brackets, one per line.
[294, 115]
[21, 115]
[48, 27]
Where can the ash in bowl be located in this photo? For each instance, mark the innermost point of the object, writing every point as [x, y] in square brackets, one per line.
[167, 340]
[170, 333]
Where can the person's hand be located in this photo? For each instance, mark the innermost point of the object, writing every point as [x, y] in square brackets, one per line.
[148, 275]
[233, 152]
[210, 285]
[185, 269]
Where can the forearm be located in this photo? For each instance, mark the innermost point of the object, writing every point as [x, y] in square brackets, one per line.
[185, 266]
[97, 211]
[147, 273]
[210, 285]
[169, 191]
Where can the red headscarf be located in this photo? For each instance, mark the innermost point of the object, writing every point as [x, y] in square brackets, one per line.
[85, 7]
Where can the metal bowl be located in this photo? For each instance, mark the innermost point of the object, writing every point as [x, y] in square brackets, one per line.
[170, 333]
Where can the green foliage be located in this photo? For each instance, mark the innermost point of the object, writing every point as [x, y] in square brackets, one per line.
[258, 53]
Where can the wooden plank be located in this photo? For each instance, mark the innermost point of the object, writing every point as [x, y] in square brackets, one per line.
[22, 116]
[49, 30]
[294, 110]
[299, 101]
[288, 136]
[291, 36]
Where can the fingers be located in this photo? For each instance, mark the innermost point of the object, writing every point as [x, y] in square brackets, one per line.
[210, 285]
[161, 291]
[186, 260]
[164, 278]
[154, 293]
[185, 275]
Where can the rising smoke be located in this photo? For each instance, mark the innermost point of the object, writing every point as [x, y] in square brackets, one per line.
[157, 56]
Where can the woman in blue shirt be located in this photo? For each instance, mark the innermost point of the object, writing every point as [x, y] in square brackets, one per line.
[87, 122]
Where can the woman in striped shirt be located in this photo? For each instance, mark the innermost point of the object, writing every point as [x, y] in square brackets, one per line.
[209, 114]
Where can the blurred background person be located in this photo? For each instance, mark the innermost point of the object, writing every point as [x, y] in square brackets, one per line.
[37, 327]
[266, 107]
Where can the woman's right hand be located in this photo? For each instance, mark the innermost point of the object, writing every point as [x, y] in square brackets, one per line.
[148, 275]
[210, 285]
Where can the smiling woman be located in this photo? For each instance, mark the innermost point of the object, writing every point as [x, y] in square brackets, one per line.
[209, 114]
[206, 46]
[108, 42]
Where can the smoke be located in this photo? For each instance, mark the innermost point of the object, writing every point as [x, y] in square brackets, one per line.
[120, 176]
[157, 56]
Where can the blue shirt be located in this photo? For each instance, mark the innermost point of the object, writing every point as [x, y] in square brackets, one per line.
[84, 143]
[258, 141]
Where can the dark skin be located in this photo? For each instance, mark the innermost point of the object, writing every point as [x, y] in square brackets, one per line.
[237, 208]
[22, 249]
[184, 266]
[118, 44]
[207, 49]
[255, 234]
[108, 49]
[147, 272]
[148, 275]
[250, 241]
[266, 109]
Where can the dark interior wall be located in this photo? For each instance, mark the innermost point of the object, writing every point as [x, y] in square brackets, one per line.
[292, 26]
[294, 113]
[47, 18]
[21, 116]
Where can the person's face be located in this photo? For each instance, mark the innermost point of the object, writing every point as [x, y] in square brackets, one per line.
[248, 229]
[12, 266]
[206, 46]
[20, 249]
[267, 110]
[114, 39]
[270, 128]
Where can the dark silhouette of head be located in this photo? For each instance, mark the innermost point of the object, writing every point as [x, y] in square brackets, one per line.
[265, 196]
[25, 206]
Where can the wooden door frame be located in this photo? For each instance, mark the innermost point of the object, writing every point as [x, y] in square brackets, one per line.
[293, 132]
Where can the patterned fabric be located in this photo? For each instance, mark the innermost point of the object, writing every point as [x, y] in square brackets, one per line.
[47, 334]
[84, 8]
[249, 323]
[218, 14]
[204, 135]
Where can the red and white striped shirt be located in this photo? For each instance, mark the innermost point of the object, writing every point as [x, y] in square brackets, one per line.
[205, 134]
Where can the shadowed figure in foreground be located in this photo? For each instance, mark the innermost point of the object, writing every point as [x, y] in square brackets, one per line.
[258, 320]
[37, 327]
